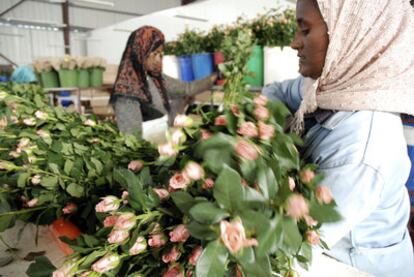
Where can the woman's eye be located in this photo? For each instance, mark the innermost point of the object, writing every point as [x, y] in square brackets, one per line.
[305, 32]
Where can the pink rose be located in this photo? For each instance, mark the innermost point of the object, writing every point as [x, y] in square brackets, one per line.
[182, 120]
[323, 195]
[260, 100]
[306, 176]
[291, 183]
[235, 109]
[157, 240]
[167, 150]
[175, 271]
[312, 237]
[246, 150]
[15, 154]
[208, 184]
[193, 171]
[205, 134]
[108, 204]
[171, 256]
[124, 197]
[89, 122]
[266, 131]
[195, 255]
[297, 206]
[32, 203]
[106, 263]
[110, 221]
[310, 221]
[178, 181]
[41, 115]
[125, 221]
[234, 237]
[179, 234]
[36, 179]
[139, 246]
[248, 129]
[163, 194]
[65, 269]
[135, 166]
[118, 236]
[29, 121]
[261, 113]
[178, 137]
[69, 208]
[43, 134]
[220, 121]
[23, 142]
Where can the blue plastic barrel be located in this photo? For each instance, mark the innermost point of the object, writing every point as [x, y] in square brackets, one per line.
[186, 68]
[4, 79]
[65, 102]
[202, 65]
[408, 122]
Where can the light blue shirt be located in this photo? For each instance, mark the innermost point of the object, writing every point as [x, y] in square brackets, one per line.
[363, 156]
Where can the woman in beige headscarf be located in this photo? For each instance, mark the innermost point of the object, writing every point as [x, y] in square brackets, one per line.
[357, 63]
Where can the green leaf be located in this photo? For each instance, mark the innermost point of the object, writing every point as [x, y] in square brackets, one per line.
[75, 190]
[54, 168]
[42, 267]
[98, 165]
[267, 182]
[22, 180]
[92, 257]
[216, 152]
[90, 241]
[268, 238]
[6, 221]
[207, 213]
[136, 197]
[252, 265]
[291, 236]
[324, 213]
[212, 261]
[68, 166]
[201, 231]
[228, 190]
[49, 182]
[253, 198]
[183, 200]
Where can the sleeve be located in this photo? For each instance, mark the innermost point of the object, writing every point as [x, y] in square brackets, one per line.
[357, 190]
[289, 92]
[179, 88]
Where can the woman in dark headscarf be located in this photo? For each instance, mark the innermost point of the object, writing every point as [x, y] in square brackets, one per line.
[134, 97]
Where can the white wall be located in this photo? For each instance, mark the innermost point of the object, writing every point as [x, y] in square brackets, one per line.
[24, 45]
[109, 42]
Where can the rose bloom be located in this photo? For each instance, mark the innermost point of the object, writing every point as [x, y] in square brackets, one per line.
[110, 221]
[208, 184]
[108, 204]
[23, 142]
[323, 194]
[310, 221]
[246, 150]
[312, 237]
[29, 121]
[297, 206]
[234, 237]
[157, 240]
[136, 165]
[32, 203]
[291, 183]
[65, 269]
[178, 181]
[43, 134]
[124, 197]
[235, 109]
[163, 194]
[69, 208]
[174, 272]
[125, 221]
[182, 120]
[220, 121]
[167, 150]
[118, 236]
[139, 246]
[171, 256]
[248, 129]
[89, 122]
[193, 171]
[260, 100]
[41, 115]
[195, 255]
[36, 179]
[85, 273]
[178, 137]
[261, 113]
[266, 131]
[106, 263]
[3, 123]
[179, 234]
[205, 134]
[306, 176]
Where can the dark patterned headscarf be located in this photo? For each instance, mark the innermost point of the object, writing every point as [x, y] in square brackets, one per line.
[132, 74]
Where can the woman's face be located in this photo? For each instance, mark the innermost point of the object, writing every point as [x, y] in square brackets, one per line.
[311, 39]
[154, 61]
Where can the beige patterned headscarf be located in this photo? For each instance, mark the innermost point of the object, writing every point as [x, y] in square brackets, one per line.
[370, 59]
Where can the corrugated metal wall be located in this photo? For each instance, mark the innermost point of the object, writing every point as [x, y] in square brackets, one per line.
[23, 45]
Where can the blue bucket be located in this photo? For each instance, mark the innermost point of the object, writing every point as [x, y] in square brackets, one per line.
[202, 65]
[408, 122]
[186, 68]
[4, 79]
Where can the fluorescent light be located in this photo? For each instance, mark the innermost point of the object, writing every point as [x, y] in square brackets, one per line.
[99, 2]
[191, 18]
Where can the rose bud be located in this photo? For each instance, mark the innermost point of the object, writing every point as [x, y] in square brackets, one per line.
[157, 240]
[135, 166]
[310, 221]
[41, 115]
[246, 150]
[124, 197]
[171, 256]
[205, 135]
[36, 179]
[139, 246]
[118, 236]
[266, 131]
[32, 203]
[306, 176]
[248, 129]
[220, 121]
[193, 171]
[167, 150]
[323, 195]
[195, 255]
[89, 122]
[182, 120]
[29, 121]
[208, 184]
[261, 113]
[260, 100]
[179, 234]
[178, 181]
[106, 263]
[43, 134]
[126, 221]
[163, 194]
[291, 183]
[297, 206]
[312, 237]
[108, 204]
[235, 110]
[69, 208]
[175, 271]
[110, 221]
[178, 137]
[234, 237]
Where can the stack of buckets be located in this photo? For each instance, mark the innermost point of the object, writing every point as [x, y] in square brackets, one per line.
[196, 66]
[82, 78]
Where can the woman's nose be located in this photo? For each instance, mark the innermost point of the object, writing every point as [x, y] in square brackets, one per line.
[297, 42]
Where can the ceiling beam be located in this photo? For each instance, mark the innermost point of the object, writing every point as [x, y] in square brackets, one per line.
[186, 2]
[12, 7]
